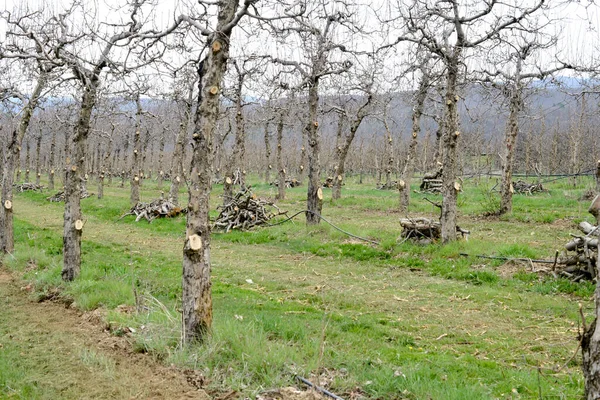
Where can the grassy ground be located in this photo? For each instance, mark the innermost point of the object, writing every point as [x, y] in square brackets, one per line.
[392, 321]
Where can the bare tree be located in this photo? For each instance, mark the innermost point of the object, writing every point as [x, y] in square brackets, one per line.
[521, 47]
[450, 30]
[27, 42]
[321, 45]
[352, 114]
[424, 68]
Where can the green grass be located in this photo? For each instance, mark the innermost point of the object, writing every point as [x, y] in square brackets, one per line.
[392, 321]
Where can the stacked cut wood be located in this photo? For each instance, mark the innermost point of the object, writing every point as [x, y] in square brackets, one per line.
[432, 182]
[289, 183]
[28, 186]
[581, 255]
[523, 187]
[159, 208]
[60, 196]
[244, 211]
[424, 230]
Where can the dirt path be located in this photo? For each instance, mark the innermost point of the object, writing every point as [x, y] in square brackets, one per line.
[50, 352]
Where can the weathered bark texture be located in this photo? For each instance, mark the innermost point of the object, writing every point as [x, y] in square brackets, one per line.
[28, 161]
[388, 164]
[136, 164]
[161, 159]
[280, 166]
[409, 164]
[104, 167]
[197, 298]
[314, 197]
[178, 154]
[52, 161]
[449, 154]
[12, 156]
[38, 150]
[268, 165]
[512, 130]
[74, 178]
[239, 146]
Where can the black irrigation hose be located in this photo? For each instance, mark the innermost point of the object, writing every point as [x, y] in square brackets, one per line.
[323, 218]
[318, 388]
[509, 258]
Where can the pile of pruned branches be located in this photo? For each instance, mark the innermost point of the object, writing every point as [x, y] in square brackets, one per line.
[28, 186]
[581, 254]
[523, 187]
[388, 186]
[328, 182]
[289, 183]
[424, 230]
[60, 196]
[432, 182]
[159, 208]
[245, 211]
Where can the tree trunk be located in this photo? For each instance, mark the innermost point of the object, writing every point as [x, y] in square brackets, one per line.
[38, 150]
[136, 165]
[314, 200]
[268, 165]
[512, 130]
[104, 168]
[178, 154]
[449, 154]
[409, 164]
[343, 147]
[280, 165]
[28, 161]
[52, 163]
[161, 160]
[12, 155]
[239, 146]
[75, 177]
[336, 190]
[197, 298]
[389, 156]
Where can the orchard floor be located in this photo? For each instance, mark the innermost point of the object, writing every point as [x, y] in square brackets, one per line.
[49, 351]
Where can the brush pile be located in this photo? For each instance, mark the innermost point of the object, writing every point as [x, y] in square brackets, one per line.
[523, 187]
[245, 211]
[60, 196]
[432, 182]
[28, 186]
[159, 208]
[388, 186]
[581, 254]
[328, 182]
[425, 231]
[289, 183]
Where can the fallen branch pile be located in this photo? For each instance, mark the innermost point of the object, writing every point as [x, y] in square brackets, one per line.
[328, 182]
[289, 183]
[246, 211]
[28, 186]
[581, 254]
[425, 230]
[523, 187]
[159, 208]
[388, 186]
[60, 196]
[432, 182]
